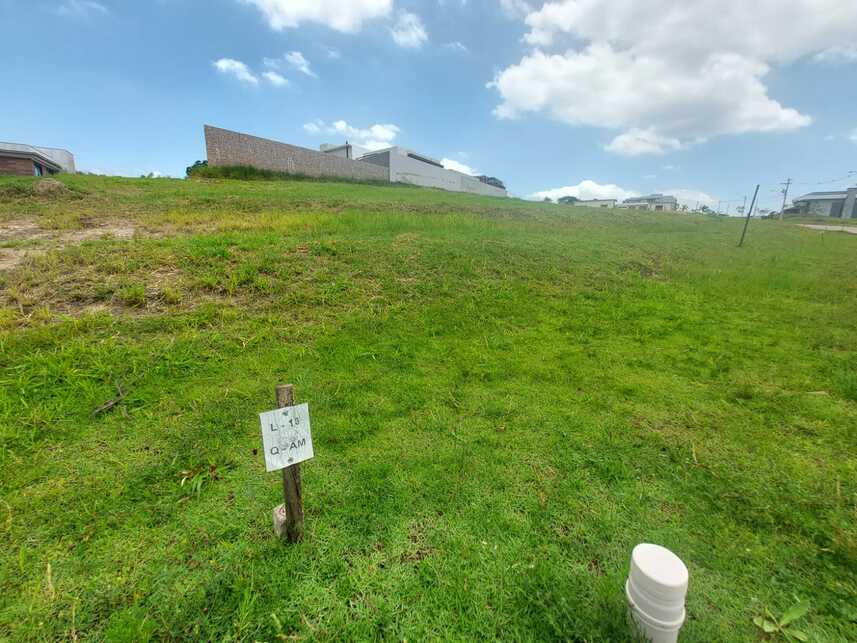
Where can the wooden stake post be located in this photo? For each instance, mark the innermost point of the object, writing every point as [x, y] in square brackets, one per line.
[289, 516]
[749, 214]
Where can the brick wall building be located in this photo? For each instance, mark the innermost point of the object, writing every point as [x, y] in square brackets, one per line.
[225, 147]
[18, 159]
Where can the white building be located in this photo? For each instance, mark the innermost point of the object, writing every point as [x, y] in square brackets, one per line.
[659, 202]
[406, 166]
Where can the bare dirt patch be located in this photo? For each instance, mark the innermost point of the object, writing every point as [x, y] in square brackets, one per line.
[28, 230]
[831, 228]
[24, 229]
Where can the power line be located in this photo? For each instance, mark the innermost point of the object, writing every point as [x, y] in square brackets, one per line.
[847, 177]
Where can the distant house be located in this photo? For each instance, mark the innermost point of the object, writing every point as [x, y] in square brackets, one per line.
[841, 204]
[19, 159]
[406, 166]
[598, 203]
[660, 202]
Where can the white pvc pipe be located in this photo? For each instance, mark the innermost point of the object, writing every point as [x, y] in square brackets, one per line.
[655, 589]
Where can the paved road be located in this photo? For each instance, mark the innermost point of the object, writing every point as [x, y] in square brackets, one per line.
[833, 228]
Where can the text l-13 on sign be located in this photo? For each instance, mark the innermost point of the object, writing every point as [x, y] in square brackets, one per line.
[286, 436]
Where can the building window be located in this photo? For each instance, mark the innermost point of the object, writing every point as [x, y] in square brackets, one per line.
[37, 169]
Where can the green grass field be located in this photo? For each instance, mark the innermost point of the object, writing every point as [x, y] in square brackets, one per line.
[506, 397]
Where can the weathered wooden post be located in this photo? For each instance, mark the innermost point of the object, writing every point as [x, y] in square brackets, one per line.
[292, 509]
[287, 442]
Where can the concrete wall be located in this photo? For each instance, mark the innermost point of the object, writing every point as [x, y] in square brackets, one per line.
[63, 158]
[849, 209]
[405, 169]
[381, 159]
[819, 208]
[225, 147]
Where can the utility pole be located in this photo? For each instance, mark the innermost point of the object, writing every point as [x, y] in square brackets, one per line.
[785, 195]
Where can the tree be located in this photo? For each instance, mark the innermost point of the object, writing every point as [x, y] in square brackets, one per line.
[570, 200]
[547, 199]
[193, 168]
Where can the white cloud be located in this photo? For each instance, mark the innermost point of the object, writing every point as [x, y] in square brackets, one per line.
[768, 30]
[236, 68]
[294, 60]
[692, 198]
[374, 137]
[515, 8]
[636, 141]
[314, 127]
[297, 61]
[332, 53]
[662, 105]
[81, 8]
[853, 135]
[644, 67]
[342, 15]
[586, 190]
[456, 46]
[838, 54]
[458, 166]
[409, 30]
[275, 79]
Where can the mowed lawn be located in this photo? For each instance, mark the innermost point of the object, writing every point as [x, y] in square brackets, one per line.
[506, 397]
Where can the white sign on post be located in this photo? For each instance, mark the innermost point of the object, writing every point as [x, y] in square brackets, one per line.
[286, 436]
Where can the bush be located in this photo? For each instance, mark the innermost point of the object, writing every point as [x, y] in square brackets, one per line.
[248, 173]
[193, 169]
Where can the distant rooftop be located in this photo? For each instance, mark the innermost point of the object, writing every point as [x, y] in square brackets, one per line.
[822, 196]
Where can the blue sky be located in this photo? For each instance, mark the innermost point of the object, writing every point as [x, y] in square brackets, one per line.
[584, 97]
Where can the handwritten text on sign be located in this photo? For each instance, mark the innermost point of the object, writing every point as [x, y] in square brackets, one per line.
[286, 436]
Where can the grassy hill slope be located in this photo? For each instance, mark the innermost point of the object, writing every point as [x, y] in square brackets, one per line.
[506, 397]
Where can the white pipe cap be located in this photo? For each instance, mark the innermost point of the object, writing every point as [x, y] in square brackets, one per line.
[659, 573]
